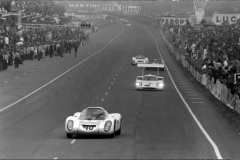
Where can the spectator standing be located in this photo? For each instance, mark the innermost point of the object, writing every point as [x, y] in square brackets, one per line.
[76, 49]
[51, 50]
[17, 59]
[204, 53]
[225, 63]
[193, 46]
[1, 60]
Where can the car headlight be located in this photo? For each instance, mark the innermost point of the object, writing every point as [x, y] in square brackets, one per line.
[70, 125]
[107, 126]
[160, 85]
[138, 84]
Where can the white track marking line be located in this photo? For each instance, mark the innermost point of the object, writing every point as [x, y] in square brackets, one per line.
[73, 141]
[63, 72]
[215, 147]
[55, 158]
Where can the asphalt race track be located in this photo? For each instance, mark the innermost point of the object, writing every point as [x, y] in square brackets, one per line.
[179, 122]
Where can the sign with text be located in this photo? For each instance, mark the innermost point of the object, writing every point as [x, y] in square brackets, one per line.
[218, 19]
[173, 20]
[107, 7]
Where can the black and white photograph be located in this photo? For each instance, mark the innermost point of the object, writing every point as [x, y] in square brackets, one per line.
[120, 79]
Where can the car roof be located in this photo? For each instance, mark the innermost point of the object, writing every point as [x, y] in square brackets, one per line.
[96, 108]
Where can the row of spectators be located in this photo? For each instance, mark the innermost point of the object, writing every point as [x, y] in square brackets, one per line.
[18, 45]
[216, 47]
[38, 44]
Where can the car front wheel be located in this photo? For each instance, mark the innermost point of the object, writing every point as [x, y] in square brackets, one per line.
[114, 133]
[120, 129]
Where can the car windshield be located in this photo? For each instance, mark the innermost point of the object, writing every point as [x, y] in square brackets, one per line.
[140, 57]
[149, 78]
[93, 114]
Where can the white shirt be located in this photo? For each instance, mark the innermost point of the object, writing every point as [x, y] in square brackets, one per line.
[225, 63]
[204, 53]
[6, 40]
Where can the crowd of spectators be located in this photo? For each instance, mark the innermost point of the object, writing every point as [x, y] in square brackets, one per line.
[36, 44]
[20, 44]
[217, 47]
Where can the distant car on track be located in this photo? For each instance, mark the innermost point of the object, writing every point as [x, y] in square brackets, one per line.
[149, 81]
[93, 121]
[139, 59]
[129, 24]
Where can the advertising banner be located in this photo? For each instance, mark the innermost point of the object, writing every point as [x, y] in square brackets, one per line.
[173, 20]
[96, 6]
[218, 19]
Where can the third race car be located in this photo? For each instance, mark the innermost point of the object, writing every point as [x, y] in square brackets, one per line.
[139, 59]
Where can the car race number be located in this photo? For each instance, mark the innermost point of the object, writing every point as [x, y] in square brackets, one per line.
[89, 127]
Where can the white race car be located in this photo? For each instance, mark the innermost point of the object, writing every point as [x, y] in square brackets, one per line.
[139, 59]
[128, 24]
[93, 121]
[149, 81]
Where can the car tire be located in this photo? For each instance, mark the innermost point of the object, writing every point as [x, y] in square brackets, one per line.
[118, 132]
[114, 133]
[69, 135]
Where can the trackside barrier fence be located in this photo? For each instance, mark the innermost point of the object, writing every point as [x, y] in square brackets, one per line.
[218, 89]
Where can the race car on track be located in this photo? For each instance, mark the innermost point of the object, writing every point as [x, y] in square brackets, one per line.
[152, 63]
[128, 24]
[139, 59]
[93, 121]
[149, 81]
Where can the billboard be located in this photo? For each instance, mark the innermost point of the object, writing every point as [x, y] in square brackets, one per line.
[218, 19]
[99, 6]
[173, 20]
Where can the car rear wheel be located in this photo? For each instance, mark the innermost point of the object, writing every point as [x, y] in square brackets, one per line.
[69, 135]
